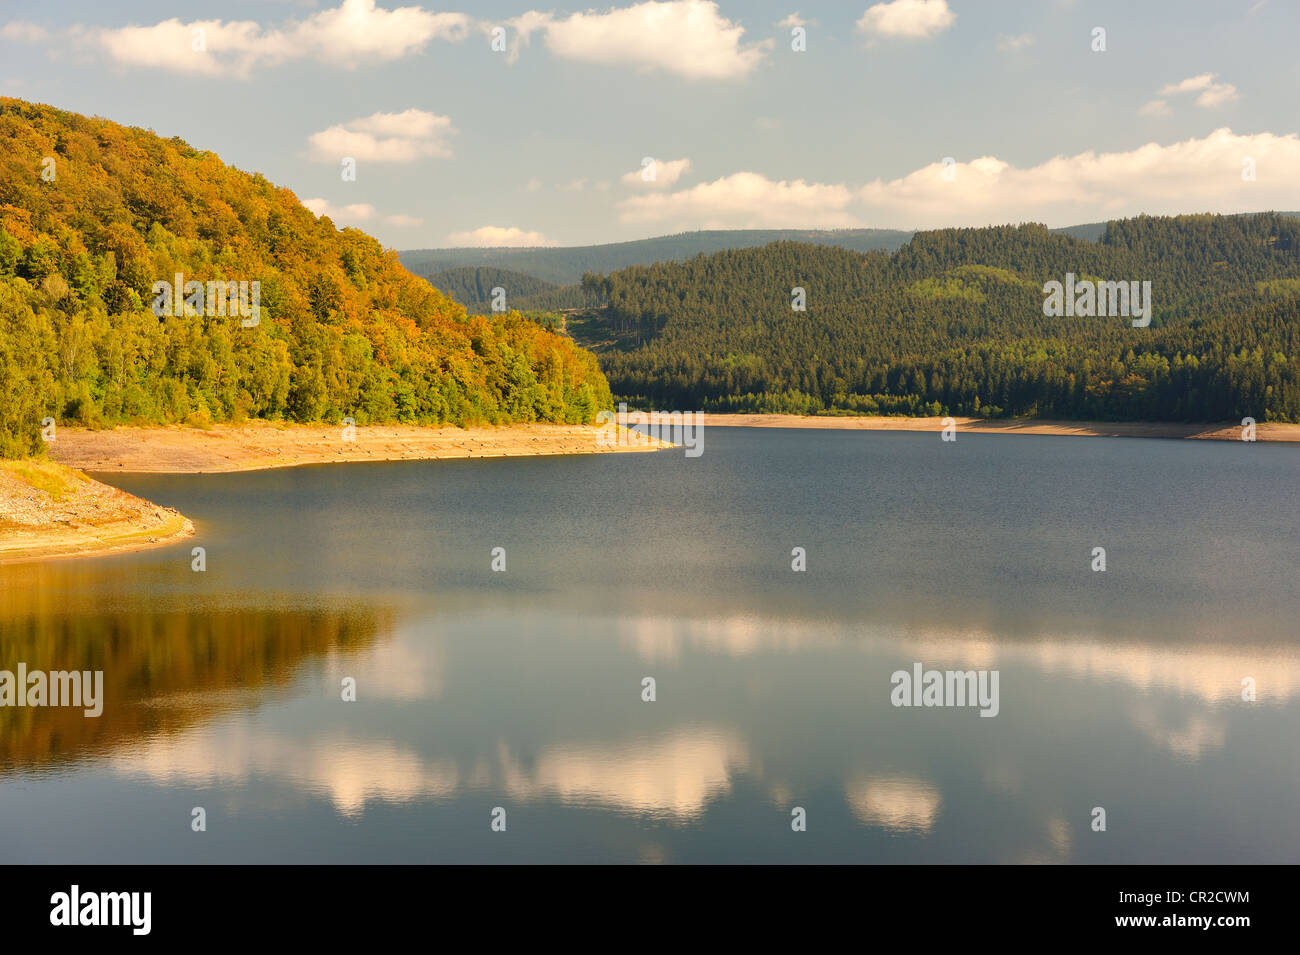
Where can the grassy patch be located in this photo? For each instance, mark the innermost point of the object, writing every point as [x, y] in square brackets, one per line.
[54, 479]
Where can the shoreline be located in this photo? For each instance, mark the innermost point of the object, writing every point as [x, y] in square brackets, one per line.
[1229, 431]
[259, 446]
[50, 509]
[48, 512]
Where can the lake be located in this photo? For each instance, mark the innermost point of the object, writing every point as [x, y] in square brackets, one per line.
[488, 698]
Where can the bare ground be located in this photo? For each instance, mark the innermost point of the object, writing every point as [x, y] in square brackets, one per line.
[48, 510]
[261, 445]
[1120, 429]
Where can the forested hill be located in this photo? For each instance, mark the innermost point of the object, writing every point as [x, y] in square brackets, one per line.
[566, 266]
[953, 322]
[92, 214]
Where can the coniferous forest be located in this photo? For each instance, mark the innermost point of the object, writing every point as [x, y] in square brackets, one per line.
[953, 323]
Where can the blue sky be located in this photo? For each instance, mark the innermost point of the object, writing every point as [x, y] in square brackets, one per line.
[1192, 106]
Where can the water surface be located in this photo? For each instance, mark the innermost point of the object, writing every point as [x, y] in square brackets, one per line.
[523, 689]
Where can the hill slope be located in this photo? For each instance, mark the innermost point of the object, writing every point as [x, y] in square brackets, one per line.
[954, 323]
[93, 214]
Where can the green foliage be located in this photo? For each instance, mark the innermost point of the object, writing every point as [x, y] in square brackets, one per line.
[953, 321]
[344, 329]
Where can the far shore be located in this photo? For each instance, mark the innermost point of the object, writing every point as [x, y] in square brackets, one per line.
[261, 445]
[1225, 431]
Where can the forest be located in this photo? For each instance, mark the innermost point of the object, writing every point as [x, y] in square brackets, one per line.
[93, 214]
[953, 323]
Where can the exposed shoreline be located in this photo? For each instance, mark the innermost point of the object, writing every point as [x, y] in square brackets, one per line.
[50, 511]
[256, 446]
[1117, 429]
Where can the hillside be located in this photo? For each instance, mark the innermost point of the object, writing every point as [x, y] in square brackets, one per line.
[93, 214]
[954, 323]
[472, 287]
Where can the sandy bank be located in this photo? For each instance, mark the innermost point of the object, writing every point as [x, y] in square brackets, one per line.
[48, 510]
[260, 445]
[1116, 429]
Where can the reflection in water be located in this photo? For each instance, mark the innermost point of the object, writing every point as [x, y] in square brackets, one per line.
[676, 776]
[897, 803]
[349, 772]
[1211, 672]
[1191, 735]
[162, 671]
[522, 689]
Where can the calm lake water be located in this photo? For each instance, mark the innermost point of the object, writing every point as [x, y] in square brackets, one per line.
[522, 689]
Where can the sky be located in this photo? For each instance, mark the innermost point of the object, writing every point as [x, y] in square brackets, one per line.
[514, 124]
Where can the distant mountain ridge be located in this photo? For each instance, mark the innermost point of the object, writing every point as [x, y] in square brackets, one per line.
[565, 265]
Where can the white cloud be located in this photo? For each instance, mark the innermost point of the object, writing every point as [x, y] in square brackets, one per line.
[792, 21]
[1152, 179]
[355, 32]
[745, 200]
[1009, 44]
[492, 235]
[1155, 179]
[1213, 93]
[690, 38]
[910, 19]
[667, 172]
[534, 185]
[385, 137]
[574, 185]
[359, 212]
[1157, 107]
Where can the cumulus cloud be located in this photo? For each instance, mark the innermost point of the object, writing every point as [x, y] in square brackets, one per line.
[666, 174]
[745, 200]
[689, 38]
[359, 212]
[493, 235]
[355, 32]
[1213, 93]
[907, 19]
[385, 137]
[1153, 178]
